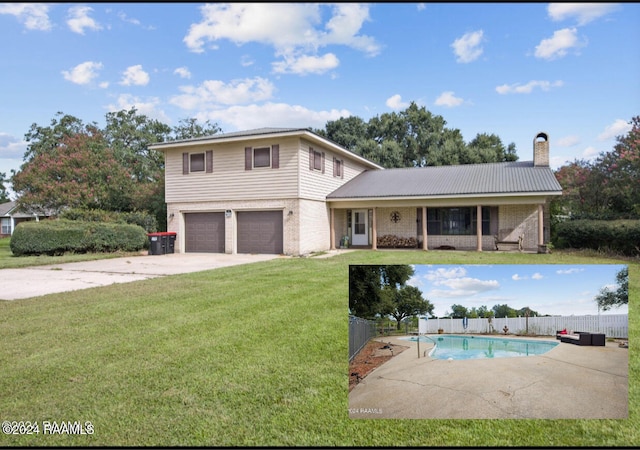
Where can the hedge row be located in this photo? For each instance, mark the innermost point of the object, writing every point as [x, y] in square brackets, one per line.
[141, 218]
[56, 237]
[620, 236]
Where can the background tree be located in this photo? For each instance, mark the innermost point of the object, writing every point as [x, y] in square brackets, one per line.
[404, 302]
[4, 194]
[608, 299]
[190, 128]
[607, 188]
[504, 311]
[81, 171]
[414, 137]
[458, 312]
[47, 139]
[366, 284]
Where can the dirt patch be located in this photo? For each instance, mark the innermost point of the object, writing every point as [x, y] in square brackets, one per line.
[374, 354]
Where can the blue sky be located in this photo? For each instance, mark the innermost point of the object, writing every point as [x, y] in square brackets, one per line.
[570, 70]
[545, 288]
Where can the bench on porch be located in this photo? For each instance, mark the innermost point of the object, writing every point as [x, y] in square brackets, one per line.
[505, 241]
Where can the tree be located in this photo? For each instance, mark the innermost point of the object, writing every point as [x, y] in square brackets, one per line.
[404, 302]
[366, 285]
[81, 171]
[190, 128]
[4, 195]
[458, 312]
[47, 139]
[608, 299]
[504, 311]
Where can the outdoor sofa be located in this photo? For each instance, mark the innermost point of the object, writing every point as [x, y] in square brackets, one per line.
[581, 338]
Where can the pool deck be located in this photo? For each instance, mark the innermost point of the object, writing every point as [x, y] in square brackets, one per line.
[567, 382]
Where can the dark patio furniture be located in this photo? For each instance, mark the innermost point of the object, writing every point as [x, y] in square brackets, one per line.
[577, 339]
[597, 339]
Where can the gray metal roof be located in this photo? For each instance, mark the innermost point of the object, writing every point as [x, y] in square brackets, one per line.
[470, 179]
[5, 208]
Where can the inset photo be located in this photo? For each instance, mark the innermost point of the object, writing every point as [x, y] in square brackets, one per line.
[488, 341]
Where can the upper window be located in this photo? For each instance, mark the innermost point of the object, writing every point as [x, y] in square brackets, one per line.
[338, 168]
[196, 162]
[262, 157]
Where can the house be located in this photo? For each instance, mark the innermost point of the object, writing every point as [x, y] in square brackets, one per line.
[11, 216]
[291, 191]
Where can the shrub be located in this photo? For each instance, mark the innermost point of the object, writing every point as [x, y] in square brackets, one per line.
[141, 218]
[55, 237]
[620, 236]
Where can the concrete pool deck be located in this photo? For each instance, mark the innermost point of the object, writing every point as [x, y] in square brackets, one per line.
[567, 382]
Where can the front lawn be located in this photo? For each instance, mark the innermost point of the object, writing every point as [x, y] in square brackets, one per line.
[252, 355]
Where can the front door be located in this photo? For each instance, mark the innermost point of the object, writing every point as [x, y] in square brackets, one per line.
[360, 227]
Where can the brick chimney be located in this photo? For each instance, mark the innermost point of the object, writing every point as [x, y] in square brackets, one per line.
[541, 150]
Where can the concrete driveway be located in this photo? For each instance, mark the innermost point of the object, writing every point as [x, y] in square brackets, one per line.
[41, 280]
[567, 382]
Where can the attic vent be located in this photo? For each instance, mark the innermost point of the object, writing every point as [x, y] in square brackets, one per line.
[541, 150]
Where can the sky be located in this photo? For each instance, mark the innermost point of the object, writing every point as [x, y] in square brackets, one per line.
[569, 70]
[546, 288]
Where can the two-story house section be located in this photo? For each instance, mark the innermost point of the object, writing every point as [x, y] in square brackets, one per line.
[257, 191]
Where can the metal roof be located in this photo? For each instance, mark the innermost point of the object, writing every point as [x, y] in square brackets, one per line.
[469, 179]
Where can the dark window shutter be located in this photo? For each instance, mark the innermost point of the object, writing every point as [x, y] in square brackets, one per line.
[247, 158]
[322, 162]
[185, 163]
[209, 161]
[275, 156]
[310, 158]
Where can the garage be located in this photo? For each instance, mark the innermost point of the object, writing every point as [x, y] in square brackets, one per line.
[204, 232]
[259, 232]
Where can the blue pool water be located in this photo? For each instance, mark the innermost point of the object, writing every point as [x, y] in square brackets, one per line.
[474, 347]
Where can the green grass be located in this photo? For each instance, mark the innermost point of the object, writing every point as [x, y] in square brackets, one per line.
[251, 355]
[8, 261]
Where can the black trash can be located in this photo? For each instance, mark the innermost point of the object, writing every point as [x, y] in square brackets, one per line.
[155, 244]
[171, 242]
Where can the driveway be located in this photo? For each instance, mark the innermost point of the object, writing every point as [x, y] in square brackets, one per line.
[41, 280]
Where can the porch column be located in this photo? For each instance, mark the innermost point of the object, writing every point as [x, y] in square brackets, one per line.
[540, 224]
[479, 228]
[332, 234]
[374, 233]
[424, 228]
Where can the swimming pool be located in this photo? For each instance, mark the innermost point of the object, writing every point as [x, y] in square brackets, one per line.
[475, 347]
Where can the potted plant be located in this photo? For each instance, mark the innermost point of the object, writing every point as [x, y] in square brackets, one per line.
[440, 331]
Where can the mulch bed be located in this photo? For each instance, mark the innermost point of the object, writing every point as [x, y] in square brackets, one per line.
[374, 354]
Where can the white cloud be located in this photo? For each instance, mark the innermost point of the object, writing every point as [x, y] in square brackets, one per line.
[271, 115]
[568, 271]
[395, 102]
[183, 72]
[305, 64]
[458, 283]
[448, 99]
[618, 128]
[421, 6]
[590, 152]
[537, 276]
[568, 141]
[79, 19]
[11, 147]
[212, 93]
[148, 107]
[83, 73]
[558, 45]
[517, 88]
[467, 48]
[135, 75]
[517, 277]
[295, 30]
[34, 16]
[583, 12]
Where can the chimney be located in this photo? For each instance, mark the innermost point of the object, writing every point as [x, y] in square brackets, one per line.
[541, 150]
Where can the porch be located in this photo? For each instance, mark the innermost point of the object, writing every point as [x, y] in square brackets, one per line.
[501, 227]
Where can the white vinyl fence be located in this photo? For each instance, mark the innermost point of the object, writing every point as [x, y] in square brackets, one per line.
[612, 325]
